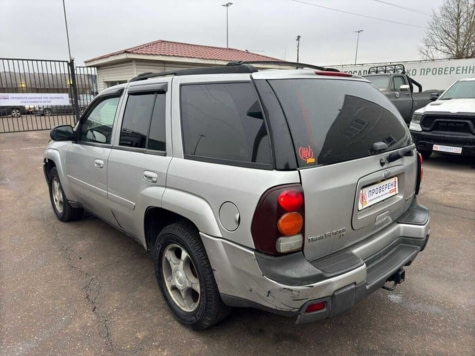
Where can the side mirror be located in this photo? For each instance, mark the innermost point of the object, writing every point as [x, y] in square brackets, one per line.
[434, 96]
[62, 133]
[404, 87]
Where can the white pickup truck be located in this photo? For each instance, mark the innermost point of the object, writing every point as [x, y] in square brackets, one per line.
[448, 124]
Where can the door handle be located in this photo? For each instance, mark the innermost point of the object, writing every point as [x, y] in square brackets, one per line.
[150, 177]
[98, 163]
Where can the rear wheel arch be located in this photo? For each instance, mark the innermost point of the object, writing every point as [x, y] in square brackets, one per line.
[156, 219]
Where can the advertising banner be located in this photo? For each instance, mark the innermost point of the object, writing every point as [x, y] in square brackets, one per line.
[44, 99]
[438, 74]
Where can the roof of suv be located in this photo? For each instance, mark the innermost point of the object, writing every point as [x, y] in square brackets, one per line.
[231, 68]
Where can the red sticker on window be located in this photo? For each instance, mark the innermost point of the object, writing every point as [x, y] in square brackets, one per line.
[306, 154]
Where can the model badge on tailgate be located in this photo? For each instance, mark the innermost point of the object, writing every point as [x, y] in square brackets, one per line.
[335, 233]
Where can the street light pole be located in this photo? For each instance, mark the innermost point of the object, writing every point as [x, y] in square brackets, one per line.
[67, 32]
[227, 5]
[298, 47]
[357, 41]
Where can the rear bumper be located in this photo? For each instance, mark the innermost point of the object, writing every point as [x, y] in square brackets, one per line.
[287, 285]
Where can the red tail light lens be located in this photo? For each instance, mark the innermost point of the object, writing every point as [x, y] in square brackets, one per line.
[290, 200]
[279, 215]
[420, 172]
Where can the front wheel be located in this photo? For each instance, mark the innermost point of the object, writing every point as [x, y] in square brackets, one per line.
[61, 207]
[185, 277]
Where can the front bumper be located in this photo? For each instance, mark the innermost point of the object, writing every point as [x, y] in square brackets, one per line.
[426, 140]
[286, 285]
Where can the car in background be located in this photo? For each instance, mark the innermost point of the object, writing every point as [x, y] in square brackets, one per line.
[13, 111]
[448, 124]
[83, 100]
[392, 81]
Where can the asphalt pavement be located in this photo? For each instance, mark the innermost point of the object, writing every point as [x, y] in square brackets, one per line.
[83, 288]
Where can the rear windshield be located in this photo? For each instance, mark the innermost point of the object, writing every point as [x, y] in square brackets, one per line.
[333, 121]
[379, 81]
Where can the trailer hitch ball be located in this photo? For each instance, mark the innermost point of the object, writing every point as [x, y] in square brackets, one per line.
[395, 279]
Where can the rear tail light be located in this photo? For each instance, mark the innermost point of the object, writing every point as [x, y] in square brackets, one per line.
[420, 172]
[278, 222]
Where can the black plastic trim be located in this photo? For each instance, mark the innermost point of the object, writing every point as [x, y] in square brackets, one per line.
[150, 88]
[282, 144]
[415, 215]
[292, 269]
[243, 68]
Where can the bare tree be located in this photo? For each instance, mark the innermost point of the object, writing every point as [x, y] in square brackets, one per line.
[451, 31]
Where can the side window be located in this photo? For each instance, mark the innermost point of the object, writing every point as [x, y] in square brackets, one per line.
[398, 81]
[97, 127]
[224, 122]
[136, 120]
[156, 139]
[143, 125]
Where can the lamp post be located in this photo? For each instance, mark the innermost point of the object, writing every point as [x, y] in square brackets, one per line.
[227, 5]
[357, 41]
[298, 47]
[67, 32]
[72, 70]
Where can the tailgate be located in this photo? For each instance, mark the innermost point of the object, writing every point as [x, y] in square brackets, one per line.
[348, 202]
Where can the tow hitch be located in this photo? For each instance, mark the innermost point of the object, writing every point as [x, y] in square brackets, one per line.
[396, 278]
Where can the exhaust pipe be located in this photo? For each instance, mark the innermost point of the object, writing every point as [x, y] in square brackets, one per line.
[396, 278]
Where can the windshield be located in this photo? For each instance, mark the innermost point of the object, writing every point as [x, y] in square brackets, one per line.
[334, 121]
[379, 81]
[460, 90]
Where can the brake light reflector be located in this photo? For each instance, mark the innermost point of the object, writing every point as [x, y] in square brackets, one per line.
[315, 307]
[290, 200]
[290, 224]
[333, 74]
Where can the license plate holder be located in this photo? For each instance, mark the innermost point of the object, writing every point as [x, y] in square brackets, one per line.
[375, 193]
[448, 149]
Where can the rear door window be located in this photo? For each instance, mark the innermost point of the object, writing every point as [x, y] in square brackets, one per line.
[224, 123]
[333, 121]
[143, 125]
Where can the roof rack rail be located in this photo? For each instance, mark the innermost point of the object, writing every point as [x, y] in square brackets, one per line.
[297, 65]
[230, 68]
[244, 68]
[390, 68]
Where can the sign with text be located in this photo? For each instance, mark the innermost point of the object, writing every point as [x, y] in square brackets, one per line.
[43, 99]
[437, 74]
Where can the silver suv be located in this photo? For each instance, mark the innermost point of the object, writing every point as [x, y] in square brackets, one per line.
[293, 191]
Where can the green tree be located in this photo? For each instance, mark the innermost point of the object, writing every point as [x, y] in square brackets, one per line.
[451, 31]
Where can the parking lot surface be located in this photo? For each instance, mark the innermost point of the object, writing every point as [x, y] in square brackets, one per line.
[84, 288]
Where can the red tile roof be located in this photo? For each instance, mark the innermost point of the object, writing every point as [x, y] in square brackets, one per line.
[186, 50]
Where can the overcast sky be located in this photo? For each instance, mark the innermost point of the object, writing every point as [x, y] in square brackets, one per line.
[392, 29]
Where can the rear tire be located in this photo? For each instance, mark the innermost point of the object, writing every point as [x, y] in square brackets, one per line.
[185, 277]
[61, 207]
